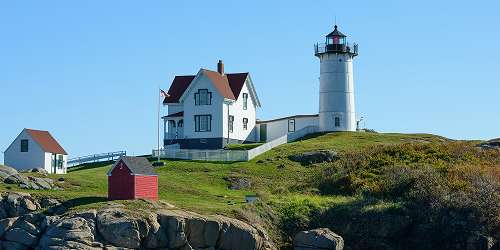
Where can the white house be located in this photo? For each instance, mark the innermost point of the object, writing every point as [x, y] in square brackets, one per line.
[210, 110]
[36, 149]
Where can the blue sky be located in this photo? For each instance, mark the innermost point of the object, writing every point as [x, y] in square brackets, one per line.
[88, 71]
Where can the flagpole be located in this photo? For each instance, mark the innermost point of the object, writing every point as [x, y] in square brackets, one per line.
[158, 123]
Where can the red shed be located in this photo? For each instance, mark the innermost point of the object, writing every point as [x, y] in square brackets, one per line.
[132, 178]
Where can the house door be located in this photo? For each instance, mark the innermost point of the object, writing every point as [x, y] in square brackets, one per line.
[263, 132]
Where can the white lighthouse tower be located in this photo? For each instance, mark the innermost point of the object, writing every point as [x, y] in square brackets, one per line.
[336, 89]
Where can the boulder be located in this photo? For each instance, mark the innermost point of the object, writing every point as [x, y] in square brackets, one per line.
[72, 232]
[10, 245]
[40, 170]
[237, 183]
[235, 234]
[25, 230]
[120, 229]
[17, 204]
[17, 179]
[318, 239]
[174, 224]
[46, 202]
[6, 171]
[6, 224]
[40, 183]
[309, 158]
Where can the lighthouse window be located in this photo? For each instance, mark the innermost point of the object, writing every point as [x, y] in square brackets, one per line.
[291, 125]
[337, 121]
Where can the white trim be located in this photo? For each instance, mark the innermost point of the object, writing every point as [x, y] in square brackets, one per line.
[252, 91]
[190, 86]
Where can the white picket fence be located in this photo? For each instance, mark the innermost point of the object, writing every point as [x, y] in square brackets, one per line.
[174, 152]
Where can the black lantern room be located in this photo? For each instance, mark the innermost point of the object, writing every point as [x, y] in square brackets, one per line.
[336, 37]
[336, 42]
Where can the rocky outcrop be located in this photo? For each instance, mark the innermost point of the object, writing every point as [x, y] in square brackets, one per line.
[12, 176]
[23, 227]
[17, 204]
[237, 183]
[309, 158]
[318, 239]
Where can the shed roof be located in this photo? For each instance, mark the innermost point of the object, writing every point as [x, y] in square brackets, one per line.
[136, 165]
[46, 141]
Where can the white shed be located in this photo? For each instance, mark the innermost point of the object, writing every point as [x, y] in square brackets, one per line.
[36, 149]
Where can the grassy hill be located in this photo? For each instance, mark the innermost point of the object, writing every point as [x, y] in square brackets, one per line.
[389, 176]
[200, 186]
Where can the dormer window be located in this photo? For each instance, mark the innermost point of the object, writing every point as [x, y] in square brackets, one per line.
[203, 97]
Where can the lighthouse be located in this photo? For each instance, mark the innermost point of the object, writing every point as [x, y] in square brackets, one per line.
[336, 83]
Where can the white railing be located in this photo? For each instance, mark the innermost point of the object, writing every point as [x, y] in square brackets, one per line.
[203, 155]
[96, 157]
[174, 151]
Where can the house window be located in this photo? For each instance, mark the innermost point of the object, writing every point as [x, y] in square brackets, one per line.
[230, 123]
[180, 123]
[291, 125]
[172, 123]
[202, 123]
[203, 97]
[337, 121]
[245, 123]
[24, 145]
[245, 101]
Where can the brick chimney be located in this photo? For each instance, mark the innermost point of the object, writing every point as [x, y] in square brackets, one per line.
[220, 67]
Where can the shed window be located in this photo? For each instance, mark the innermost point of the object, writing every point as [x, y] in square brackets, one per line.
[245, 101]
[337, 121]
[180, 123]
[245, 123]
[202, 123]
[203, 97]
[230, 123]
[24, 145]
[59, 161]
[291, 125]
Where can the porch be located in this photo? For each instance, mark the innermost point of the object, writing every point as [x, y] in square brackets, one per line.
[173, 127]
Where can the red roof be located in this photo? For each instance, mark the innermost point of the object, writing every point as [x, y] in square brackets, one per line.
[228, 85]
[46, 141]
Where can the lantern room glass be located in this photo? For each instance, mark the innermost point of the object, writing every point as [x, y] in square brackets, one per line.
[335, 40]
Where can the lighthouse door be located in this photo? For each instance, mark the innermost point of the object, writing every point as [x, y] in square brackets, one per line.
[263, 132]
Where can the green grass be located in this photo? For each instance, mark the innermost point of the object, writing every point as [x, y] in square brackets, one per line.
[199, 186]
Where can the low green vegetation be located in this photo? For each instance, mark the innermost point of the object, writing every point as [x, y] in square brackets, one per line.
[402, 180]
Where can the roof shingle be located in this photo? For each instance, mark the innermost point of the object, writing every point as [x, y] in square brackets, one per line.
[228, 85]
[46, 141]
[136, 165]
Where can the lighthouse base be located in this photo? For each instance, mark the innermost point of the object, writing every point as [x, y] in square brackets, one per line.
[337, 121]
